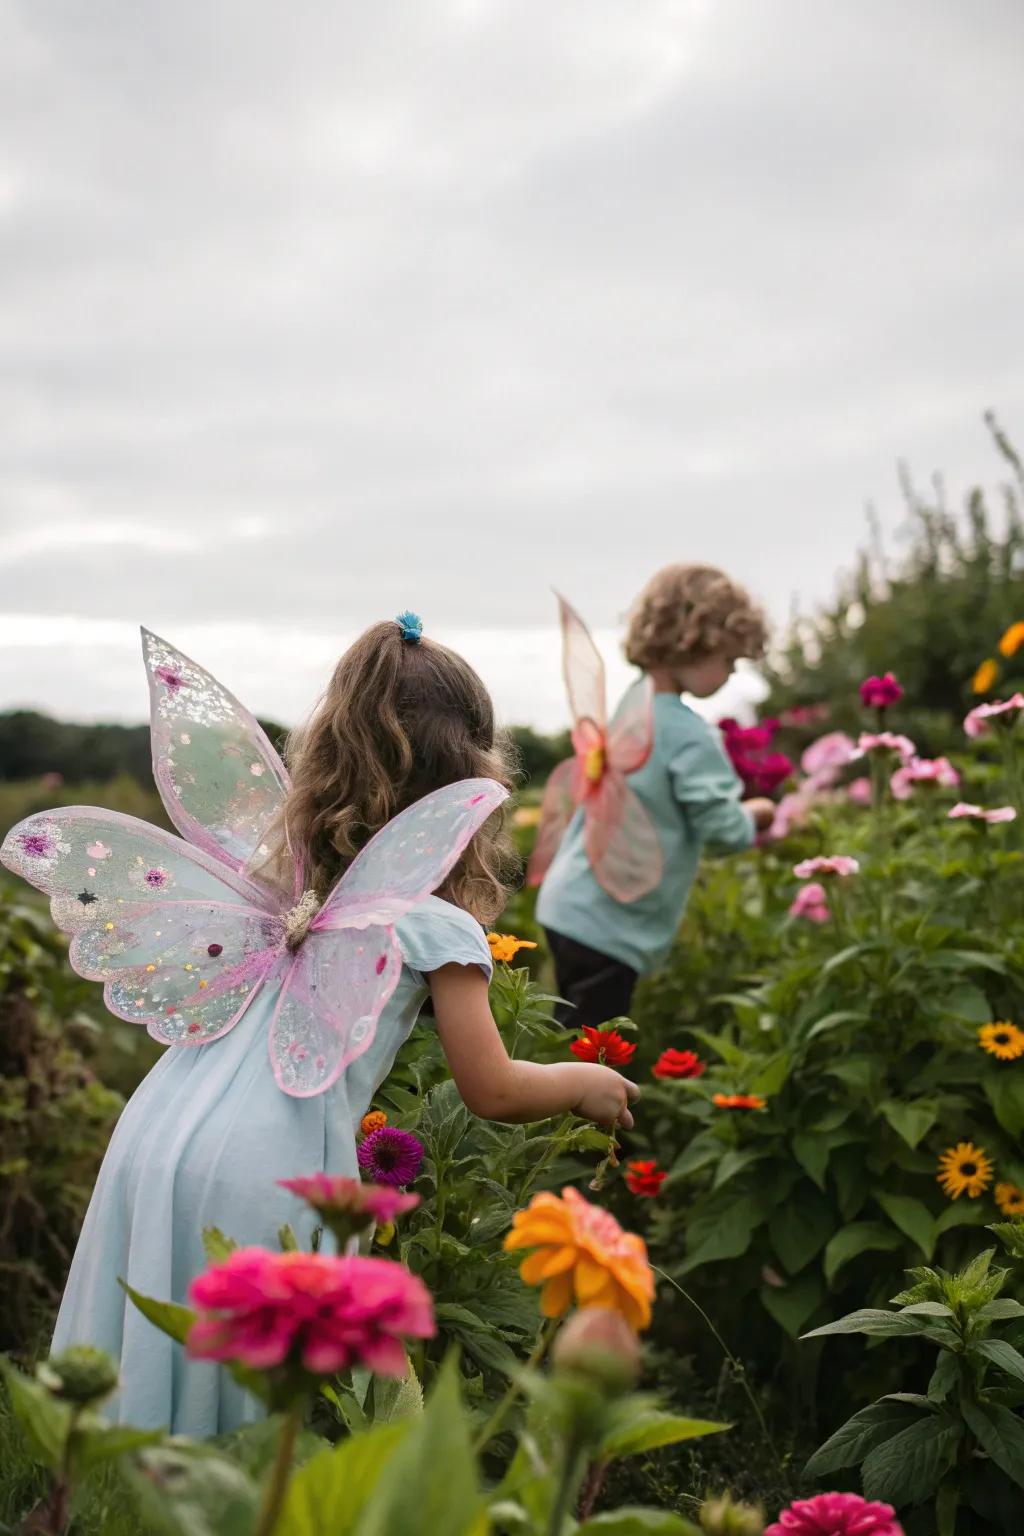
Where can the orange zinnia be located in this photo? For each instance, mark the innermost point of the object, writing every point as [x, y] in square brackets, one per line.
[739, 1101]
[376, 1120]
[582, 1254]
[1013, 639]
[505, 946]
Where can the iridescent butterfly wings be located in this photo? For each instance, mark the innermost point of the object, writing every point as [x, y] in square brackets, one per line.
[621, 841]
[178, 930]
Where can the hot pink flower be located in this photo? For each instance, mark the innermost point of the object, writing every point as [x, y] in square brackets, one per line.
[747, 747]
[886, 741]
[824, 758]
[859, 791]
[810, 902]
[836, 1514]
[332, 1194]
[1000, 711]
[963, 811]
[934, 772]
[326, 1314]
[839, 864]
[880, 692]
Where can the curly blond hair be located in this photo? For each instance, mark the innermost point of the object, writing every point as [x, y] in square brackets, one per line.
[397, 721]
[686, 612]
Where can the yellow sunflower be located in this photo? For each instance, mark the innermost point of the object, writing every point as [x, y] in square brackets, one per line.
[964, 1169]
[1004, 1041]
[1010, 1199]
[505, 946]
[986, 677]
[1013, 639]
[582, 1254]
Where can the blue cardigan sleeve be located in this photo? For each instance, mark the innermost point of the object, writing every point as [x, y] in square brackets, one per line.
[709, 792]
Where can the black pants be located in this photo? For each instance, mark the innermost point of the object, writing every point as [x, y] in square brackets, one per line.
[599, 987]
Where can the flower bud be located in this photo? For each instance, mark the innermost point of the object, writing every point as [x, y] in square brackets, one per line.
[79, 1375]
[725, 1517]
[598, 1343]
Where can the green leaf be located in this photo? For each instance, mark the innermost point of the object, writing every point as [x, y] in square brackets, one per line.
[945, 1376]
[104, 1442]
[910, 1466]
[873, 1321]
[910, 1121]
[734, 1162]
[216, 1246]
[431, 1488]
[772, 1077]
[967, 1002]
[859, 1237]
[186, 1491]
[960, 1215]
[286, 1239]
[650, 1428]
[792, 1304]
[397, 1398]
[999, 1310]
[1000, 1433]
[629, 1521]
[831, 1020]
[1005, 1092]
[859, 1435]
[913, 1218]
[1002, 1355]
[857, 1073]
[171, 1319]
[330, 1492]
[722, 1231]
[43, 1419]
[800, 1229]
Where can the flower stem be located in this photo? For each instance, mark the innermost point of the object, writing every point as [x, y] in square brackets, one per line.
[273, 1497]
[572, 1468]
[737, 1367]
[513, 1390]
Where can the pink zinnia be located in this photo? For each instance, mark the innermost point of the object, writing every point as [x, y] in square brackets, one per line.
[824, 758]
[964, 811]
[326, 1314]
[390, 1156]
[937, 772]
[334, 1195]
[880, 692]
[811, 903]
[886, 741]
[836, 1514]
[859, 791]
[980, 718]
[839, 864]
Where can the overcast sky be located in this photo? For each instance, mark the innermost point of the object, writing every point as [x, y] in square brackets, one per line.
[310, 313]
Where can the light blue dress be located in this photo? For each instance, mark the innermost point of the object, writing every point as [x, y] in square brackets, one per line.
[693, 797]
[200, 1143]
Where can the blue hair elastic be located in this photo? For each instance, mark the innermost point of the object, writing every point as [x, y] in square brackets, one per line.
[411, 626]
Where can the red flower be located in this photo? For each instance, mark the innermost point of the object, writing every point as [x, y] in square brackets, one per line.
[880, 692]
[738, 1101]
[604, 1045]
[645, 1178]
[672, 1063]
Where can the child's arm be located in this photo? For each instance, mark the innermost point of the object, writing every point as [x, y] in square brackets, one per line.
[494, 1086]
[707, 788]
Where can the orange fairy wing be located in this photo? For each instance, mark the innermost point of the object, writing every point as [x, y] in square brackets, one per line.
[621, 840]
[582, 668]
[556, 812]
[631, 733]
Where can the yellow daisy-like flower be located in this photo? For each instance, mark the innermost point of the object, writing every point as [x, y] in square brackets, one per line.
[505, 946]
[582, 1255]
[526, 816]
[1013, 639]
[375, 1120]
[964, 1170]
[1010, 1199]
[986, 677]
[1004, 1041]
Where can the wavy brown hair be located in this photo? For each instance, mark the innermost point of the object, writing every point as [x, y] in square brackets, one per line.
[398, 719]
[689, 611]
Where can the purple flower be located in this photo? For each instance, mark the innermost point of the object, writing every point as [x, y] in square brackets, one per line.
[37, 845]
[390, 1156]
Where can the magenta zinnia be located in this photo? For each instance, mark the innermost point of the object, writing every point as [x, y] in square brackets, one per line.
[390, 1156]
[836, 1514]
[309, 1310]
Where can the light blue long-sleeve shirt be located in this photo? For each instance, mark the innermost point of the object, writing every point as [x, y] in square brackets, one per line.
[693, 797]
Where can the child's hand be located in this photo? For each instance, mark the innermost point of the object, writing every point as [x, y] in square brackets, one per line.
[763, 812]
[604, 1095]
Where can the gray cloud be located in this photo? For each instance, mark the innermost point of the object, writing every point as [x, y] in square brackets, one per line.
[310, 312]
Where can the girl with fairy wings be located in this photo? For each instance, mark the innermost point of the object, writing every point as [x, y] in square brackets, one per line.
[282, 949]
[625, 820]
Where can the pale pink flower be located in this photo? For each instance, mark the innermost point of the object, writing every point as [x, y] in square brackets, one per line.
[791, 811]
[825, 758]
[836, 1514]
[333, 1194]
[838, 864]
[326, 1314]
[964, 811]
[935, 772]
[1001, 711]
[886, 741]
[859, 791]
[810, 902]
